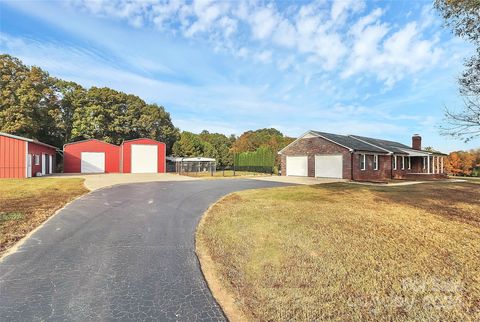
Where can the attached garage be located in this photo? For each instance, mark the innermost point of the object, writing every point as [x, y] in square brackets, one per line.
[329, 166]
[297, 166]
[91, 156]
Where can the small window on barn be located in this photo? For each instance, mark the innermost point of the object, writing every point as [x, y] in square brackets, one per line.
[37, 159]
[403, 163]
[375, 162]
[363, 162]
[394, 161]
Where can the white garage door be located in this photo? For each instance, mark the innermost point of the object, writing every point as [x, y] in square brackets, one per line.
[144, 158]
[92, 162]
[297, 166]
[329, 166]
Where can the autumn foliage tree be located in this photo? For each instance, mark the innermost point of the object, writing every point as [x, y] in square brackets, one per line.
[460, 163]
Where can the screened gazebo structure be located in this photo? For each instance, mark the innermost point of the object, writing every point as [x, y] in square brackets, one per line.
[191, 165]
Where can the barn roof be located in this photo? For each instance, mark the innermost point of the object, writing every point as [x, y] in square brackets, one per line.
[27, 140]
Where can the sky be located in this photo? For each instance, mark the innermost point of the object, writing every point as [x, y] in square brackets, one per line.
[385, 69]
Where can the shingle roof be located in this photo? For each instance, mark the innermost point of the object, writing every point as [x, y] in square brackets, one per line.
[384, 144]
[350, 142]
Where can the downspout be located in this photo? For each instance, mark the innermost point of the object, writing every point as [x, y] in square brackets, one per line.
[391, 166]
[351, 164]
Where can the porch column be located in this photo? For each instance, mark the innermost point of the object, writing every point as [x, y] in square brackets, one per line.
[441, 165]
[428, 164]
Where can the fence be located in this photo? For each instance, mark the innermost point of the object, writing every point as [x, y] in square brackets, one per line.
[262, 160]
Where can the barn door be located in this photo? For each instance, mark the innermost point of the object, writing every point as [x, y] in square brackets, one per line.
[29, 165]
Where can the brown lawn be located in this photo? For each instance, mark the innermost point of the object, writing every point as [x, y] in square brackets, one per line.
[26, 203]
[346, 252]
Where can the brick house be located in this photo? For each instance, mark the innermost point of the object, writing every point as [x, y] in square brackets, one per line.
[353, 157]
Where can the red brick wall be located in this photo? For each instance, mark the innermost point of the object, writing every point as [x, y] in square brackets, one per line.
[369, 174]
[312, 146]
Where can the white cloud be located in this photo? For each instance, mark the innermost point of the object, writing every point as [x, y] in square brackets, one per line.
[341, 8]
[328, 36]
[263, 22]
[264, 56]
[389, 56]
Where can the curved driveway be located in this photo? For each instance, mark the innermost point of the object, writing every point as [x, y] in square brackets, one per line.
[121, 253]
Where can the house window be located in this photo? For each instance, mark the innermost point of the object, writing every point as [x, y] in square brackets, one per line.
[37, 159]
[409, 163]
[362, 162]
[403, 163]
[394, 162]
[375, 162]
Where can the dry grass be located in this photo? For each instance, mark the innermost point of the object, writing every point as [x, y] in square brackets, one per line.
[349, 252]
[26, 203]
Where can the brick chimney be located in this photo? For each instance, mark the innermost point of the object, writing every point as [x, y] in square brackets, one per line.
[416, 142]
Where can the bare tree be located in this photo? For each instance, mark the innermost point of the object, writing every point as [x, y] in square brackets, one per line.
[463, 16]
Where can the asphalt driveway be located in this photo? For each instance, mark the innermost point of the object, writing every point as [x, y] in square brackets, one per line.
[120, 253]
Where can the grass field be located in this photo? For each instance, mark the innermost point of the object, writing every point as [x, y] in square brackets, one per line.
[346, 252]
[469, 179]
[26, 203]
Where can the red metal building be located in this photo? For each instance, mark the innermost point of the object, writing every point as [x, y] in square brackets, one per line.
[91, 156]
[23, 158]
[143, 156]
[133, 156]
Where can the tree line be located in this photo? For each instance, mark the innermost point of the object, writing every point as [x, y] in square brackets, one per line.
[463, 163]
[55, 111]
[223, 148]
[36, 105]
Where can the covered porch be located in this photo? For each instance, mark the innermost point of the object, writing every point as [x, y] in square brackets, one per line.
[425, 163]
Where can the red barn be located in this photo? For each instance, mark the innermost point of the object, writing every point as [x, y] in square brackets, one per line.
[23, 158]
[91, 156]
[133, 156]
[143, 156]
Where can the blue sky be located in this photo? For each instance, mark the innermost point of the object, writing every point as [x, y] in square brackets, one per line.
[382, 68]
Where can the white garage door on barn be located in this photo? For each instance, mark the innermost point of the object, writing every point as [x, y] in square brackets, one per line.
[144, 158]
[297, 166]
[92, 162]
[329, 166]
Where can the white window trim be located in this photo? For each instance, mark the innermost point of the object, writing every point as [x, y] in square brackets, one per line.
[394, 162]
[364, 157]
[375, 162]
[37, 159]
